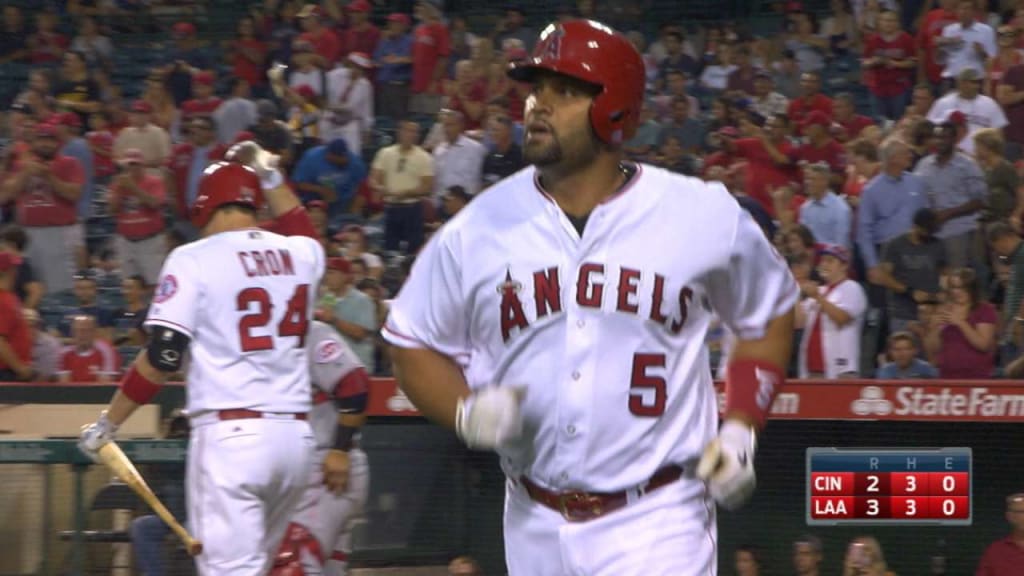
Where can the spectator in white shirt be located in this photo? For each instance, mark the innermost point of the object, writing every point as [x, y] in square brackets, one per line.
[235, 114]
[967, 43]
[766, 101]
[979, 110]
[831, 317]
[458, 160]
[349, 112]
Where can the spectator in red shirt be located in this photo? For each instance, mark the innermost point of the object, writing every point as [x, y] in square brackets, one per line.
[45, 187]
[742, 78]
[889, 62]
[430, 50]
[137, 200]
[929, 58]
[204, 101]
[1006, 556]
[845, 115]
[88, 359]
[101, 143]
[248, 54]
[47, 46]
[1008, 56]
[362, 35]
[325, 42]
[467, 94]
[962, 336]
[822, 147]
[810, 100]
[15, 334]
[769, 160]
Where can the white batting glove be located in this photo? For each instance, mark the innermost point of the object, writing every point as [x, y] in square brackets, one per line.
[489, 417]
[728, 465]
[264, 163]
[95, 436]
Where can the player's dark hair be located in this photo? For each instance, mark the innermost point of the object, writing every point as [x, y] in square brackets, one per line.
[754, 551]
[15, 236]
[865, 150]
[674, 34]
[969, 283]
[138, 279]
[805, 234]
[902, 335]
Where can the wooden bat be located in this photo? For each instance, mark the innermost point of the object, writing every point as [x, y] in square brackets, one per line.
[115, 459]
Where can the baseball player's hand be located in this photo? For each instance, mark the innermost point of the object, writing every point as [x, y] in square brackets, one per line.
[728, 465]
[95, 436]
[489, 417]
[264, 163]
[335, 469]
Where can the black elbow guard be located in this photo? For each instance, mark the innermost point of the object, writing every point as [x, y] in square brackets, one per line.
[355, 404]
[166, 349]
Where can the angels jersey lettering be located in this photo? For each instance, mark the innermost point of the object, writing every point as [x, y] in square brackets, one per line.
[245, 298]
[330, 361]
[605, 331]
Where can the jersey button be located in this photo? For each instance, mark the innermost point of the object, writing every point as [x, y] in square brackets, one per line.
[571, 430]
[563, 476]
[581, 323]
[576, 375]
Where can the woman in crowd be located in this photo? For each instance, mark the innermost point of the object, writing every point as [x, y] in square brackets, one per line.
[1005, 198]
[1007, 56]
[961, 338]
[864, 558]
[247, 54]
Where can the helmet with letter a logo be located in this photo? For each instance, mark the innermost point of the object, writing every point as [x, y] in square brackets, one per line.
[594, 53]
[222, 184]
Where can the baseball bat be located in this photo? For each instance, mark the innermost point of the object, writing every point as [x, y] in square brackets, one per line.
[115, 459]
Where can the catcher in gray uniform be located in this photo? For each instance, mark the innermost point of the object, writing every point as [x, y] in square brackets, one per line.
[319, 539]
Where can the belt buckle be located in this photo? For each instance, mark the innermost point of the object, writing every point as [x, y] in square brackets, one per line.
[578, 498]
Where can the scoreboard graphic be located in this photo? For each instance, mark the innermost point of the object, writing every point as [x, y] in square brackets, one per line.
[925, 486]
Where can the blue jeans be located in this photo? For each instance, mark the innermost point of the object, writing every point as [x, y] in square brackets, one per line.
[889, 107]
[148, 536]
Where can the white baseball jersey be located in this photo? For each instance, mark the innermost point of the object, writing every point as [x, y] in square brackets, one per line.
[330, 361]
[605, 331]
[245, 298]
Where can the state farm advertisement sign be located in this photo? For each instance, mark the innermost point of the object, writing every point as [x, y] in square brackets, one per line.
[911, 400]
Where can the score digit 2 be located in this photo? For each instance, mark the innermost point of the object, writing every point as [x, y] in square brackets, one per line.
[881, 486]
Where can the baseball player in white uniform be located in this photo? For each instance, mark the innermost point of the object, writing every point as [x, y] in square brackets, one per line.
[560, 317]
[239, 301]
[319, 539]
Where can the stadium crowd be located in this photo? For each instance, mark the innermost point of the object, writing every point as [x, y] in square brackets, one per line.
[877, 144]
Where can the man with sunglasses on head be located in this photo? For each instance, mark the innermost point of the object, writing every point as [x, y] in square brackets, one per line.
[402, 175]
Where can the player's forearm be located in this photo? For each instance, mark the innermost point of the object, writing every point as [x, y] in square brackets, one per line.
[281, 200]
[774, 348]
[121, 406]
[433, 382]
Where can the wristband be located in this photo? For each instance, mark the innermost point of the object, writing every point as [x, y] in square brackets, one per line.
[271, 179]
[751, 386]
[137, 387]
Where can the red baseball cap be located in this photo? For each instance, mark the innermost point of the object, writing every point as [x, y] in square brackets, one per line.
[361, 59]
[399, 17]
[9, 260]
[835, 250]
[183, 29]
[339, 264]
[46, 130]
[69, 119]
[306, 91]
[204, 77]
[359, 6]
[954, 117]
[817, 118]
[141, 106]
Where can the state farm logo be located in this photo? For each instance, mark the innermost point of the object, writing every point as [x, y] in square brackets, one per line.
[872, 402]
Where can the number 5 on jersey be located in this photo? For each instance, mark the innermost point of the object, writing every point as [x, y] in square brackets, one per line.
[647, 390]
[294, 323]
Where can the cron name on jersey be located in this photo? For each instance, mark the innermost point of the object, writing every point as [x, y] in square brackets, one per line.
[267, 263]
[627, 290]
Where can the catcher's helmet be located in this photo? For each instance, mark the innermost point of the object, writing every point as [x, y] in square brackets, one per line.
[225, 183]
[592, 52]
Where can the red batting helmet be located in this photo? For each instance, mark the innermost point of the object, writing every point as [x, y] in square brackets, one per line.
[225, 183]
[592, 52]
